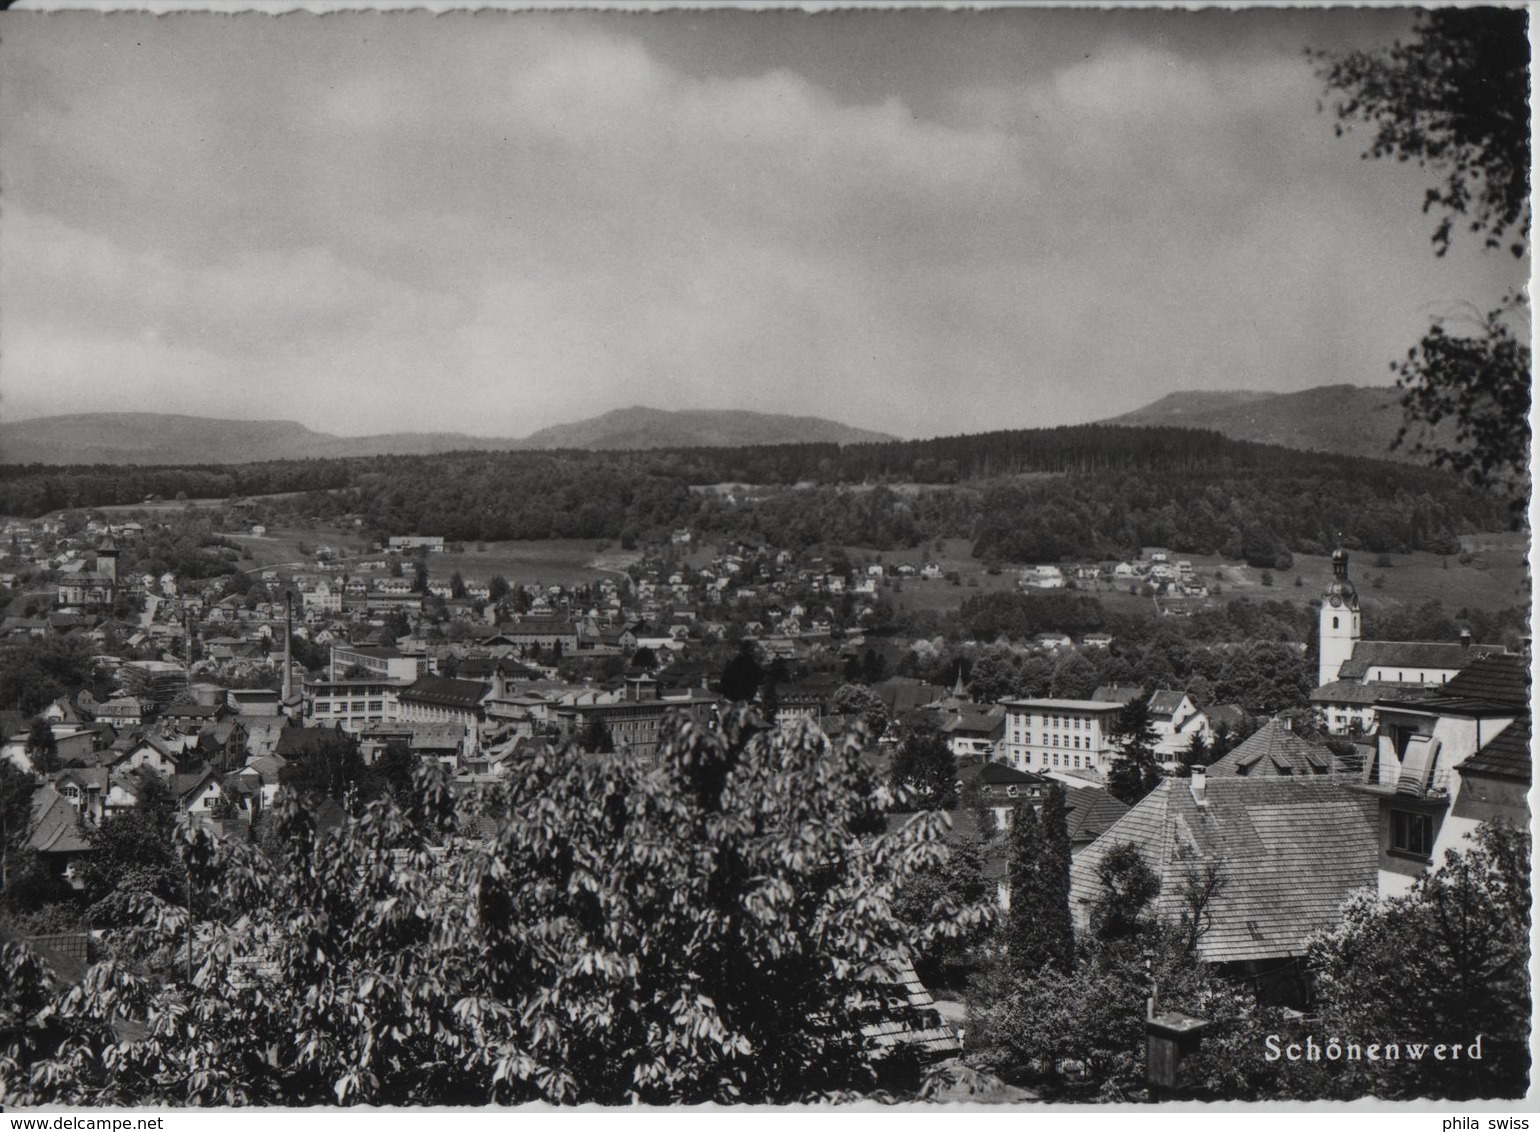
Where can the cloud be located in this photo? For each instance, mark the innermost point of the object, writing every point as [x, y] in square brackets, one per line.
[494, 224]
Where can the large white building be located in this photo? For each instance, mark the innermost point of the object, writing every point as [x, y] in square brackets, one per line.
[353, 703]
[1059, 735]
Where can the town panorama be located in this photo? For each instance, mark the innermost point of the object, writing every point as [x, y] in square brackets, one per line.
[685, 756]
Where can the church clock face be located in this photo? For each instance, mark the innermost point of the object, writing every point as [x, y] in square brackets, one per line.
[1335, 600]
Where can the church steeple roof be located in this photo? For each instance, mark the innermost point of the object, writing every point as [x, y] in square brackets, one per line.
[1341, 587]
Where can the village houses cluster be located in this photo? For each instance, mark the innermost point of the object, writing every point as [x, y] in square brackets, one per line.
[215, 687]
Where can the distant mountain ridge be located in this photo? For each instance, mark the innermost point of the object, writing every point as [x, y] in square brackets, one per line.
[168, 438]
[639, 427]
[1348, 420]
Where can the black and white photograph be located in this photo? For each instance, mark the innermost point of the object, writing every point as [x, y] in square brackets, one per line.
[707, 555]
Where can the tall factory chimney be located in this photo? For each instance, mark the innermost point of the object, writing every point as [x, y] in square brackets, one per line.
[288, 652]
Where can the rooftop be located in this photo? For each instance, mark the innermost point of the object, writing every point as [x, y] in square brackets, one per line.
[1451, 655]
[1064, 705]
[1507, 756]
[1290, 850]
[1275, 750]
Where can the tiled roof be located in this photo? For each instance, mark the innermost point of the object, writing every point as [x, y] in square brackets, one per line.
[192, 711]
[1064, 705]
[443, 691]
[1499, 679]
[185, 784]
[974, 719]
[56, 826]
[1090, 812]
[900, 695]
[1165, 702]
[91, 778]
[1451, 655]
[1275, 750]
[1507, 756]
[1290, 850]
[267, 767]
[289, 741]
[1002, 774]
[1359, 693]
[905, 994]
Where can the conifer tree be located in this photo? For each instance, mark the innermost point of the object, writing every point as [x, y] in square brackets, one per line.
[1037, 928]
[1134, 772]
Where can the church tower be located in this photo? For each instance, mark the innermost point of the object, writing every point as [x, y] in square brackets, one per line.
[1341, 622]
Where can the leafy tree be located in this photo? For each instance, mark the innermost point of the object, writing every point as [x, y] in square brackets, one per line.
[718, 927]
[134, 856]
[1134, 772]
[1092, 1016]
[948, 889]
[1074, 678]
[497, 588]
[1456, 99]
[456, 585]
[742, 676]
[1129, 886]
[1461, 938]
[1480, 382]
[644, 657]
[331, 767]
[36, 671]
[925, 769]
[597, 737]
[396, 768]
[874, 667]
[859, 700]
[42, 749]
[16, 790]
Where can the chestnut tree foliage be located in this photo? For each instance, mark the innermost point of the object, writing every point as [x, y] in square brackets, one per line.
[1461, 937]
[716, 925]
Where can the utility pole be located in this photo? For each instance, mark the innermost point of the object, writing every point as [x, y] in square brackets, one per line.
[188, 866]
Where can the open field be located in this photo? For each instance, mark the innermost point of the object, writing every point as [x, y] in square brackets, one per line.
[1496, 576]
[550, 562]
[165, 505]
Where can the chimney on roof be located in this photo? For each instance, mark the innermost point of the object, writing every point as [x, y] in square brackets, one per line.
[1288, 724]
[1465, 638]
[1199, 786]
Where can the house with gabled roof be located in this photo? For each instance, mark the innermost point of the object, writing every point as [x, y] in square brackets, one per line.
[58, 832]
[1417, 770]
[153, 753]
[1258, 864]
[85, 788]
[1175, 716]
[198, 793]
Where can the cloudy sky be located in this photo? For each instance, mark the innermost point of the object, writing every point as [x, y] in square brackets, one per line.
[923, 222]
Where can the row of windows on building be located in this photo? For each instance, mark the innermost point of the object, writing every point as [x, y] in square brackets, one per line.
[1054, 739]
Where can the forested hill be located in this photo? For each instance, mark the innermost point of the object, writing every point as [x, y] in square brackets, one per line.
[640, 427]
[1351, 420]
[1033, 495]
